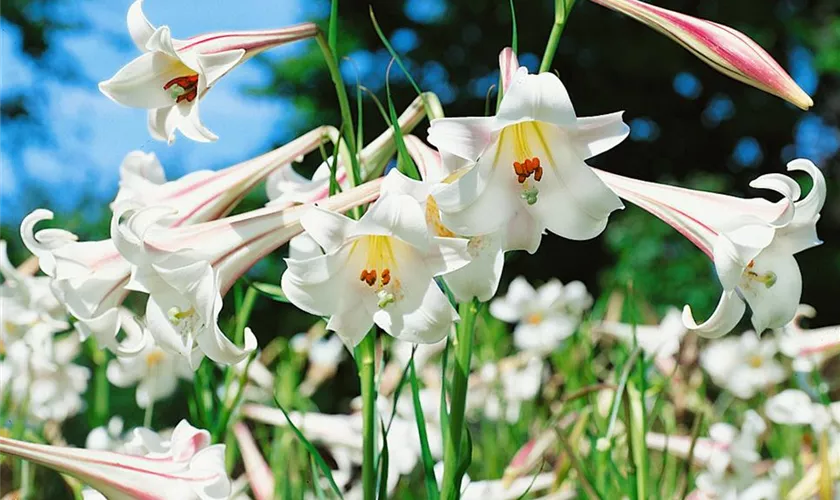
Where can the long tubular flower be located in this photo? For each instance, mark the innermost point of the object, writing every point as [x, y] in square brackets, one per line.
[186, 270]
[90, 277]
[260, 476]
[723, 48]
[377, 270]
[172, 76]
[528, 164]
[751, 241]
[809, 348]
[186, 467]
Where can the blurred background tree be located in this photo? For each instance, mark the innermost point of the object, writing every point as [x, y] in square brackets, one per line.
[689, 124]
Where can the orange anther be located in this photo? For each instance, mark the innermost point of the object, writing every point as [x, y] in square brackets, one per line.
[518, 168]
[386, 276]
[538, 173]
[371, 279]
[188, 83]
[522, 178]
[364, 275]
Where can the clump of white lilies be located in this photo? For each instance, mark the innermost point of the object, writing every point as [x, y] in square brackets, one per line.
[415, 250]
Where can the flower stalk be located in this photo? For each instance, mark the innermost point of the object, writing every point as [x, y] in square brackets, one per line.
[366, 357]
[463, 355]
[561, 14]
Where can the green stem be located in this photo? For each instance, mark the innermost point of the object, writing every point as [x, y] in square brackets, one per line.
[101, 387]
[147, 416]
[463, 356]
[561, 14]
[344, 106]
[365, 357]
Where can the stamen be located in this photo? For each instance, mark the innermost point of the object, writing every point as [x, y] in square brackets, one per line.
[538, 173]
[386, 276]
[526, 168]
[187, 88]
[176, 315]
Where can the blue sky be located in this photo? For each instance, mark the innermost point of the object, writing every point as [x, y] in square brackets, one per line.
[93, 134]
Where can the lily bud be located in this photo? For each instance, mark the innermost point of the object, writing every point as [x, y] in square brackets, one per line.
[725, 49]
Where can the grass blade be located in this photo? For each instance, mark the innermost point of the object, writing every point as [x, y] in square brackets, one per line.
[313, 452]
[429, 478]
[404, 162]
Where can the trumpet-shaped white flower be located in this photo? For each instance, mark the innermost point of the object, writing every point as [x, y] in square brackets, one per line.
[545, 316]
[809, 348]
[529, 165]
[90, 277]
[185, 466]
[379, 269]
[186, 270]
[155, 371]
[172, 76]
[743, 365]
[28, 308]
[43, 377]
[662, 340]
[752, 241]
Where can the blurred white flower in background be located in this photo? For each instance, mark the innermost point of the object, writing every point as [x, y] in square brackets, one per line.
[44, 379]
[324, 355]
[809, 348]
[661, 341]
[795, 407]
[506, 386]
[28, 308]
[545, 316]
[743, 365]
[109, 437]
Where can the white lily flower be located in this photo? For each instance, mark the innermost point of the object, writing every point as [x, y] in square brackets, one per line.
[809, 348]
[507, 387]
[28, 308]
[43, 377]
[529, 165]
[546, 316]
[752, 241]
[743, 365]
[108, 437]
[172, 76]
[187, 270]
[377, 270]
[185, 466]
[90, 277]
[660, 341]
[155, 371]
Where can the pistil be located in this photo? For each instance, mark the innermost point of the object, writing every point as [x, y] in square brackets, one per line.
[184, 88]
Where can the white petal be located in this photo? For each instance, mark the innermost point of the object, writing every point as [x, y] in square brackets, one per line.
[789, 407]
[734, 250]
[480, 278]
[428, 160]
[139, 84]
[164, 333]
[508, 66]
[327, 228]
[424, 324]
[396, 215]
[539, 97]
[446, 255]
[189, 122]
[352, 323]
[220, 349]
[593, 135]
[481, 201]
[773, 306]
[523, 232]
[573, 202]
[465, 137]
[162, 123]
[217, 64]
[398, 183]
[810, 207]
[140, 29]
[303, 247]
[728, 313]
[319, 285]
[514, 305]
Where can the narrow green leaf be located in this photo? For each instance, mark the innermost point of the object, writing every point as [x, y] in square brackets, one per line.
[313, 452]
[273, 292]
[514, 38]
[394, 54]
[316, 483]
[332, 35]
[466, 458]
[404, 162]
[383, 465]
[429, 479]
